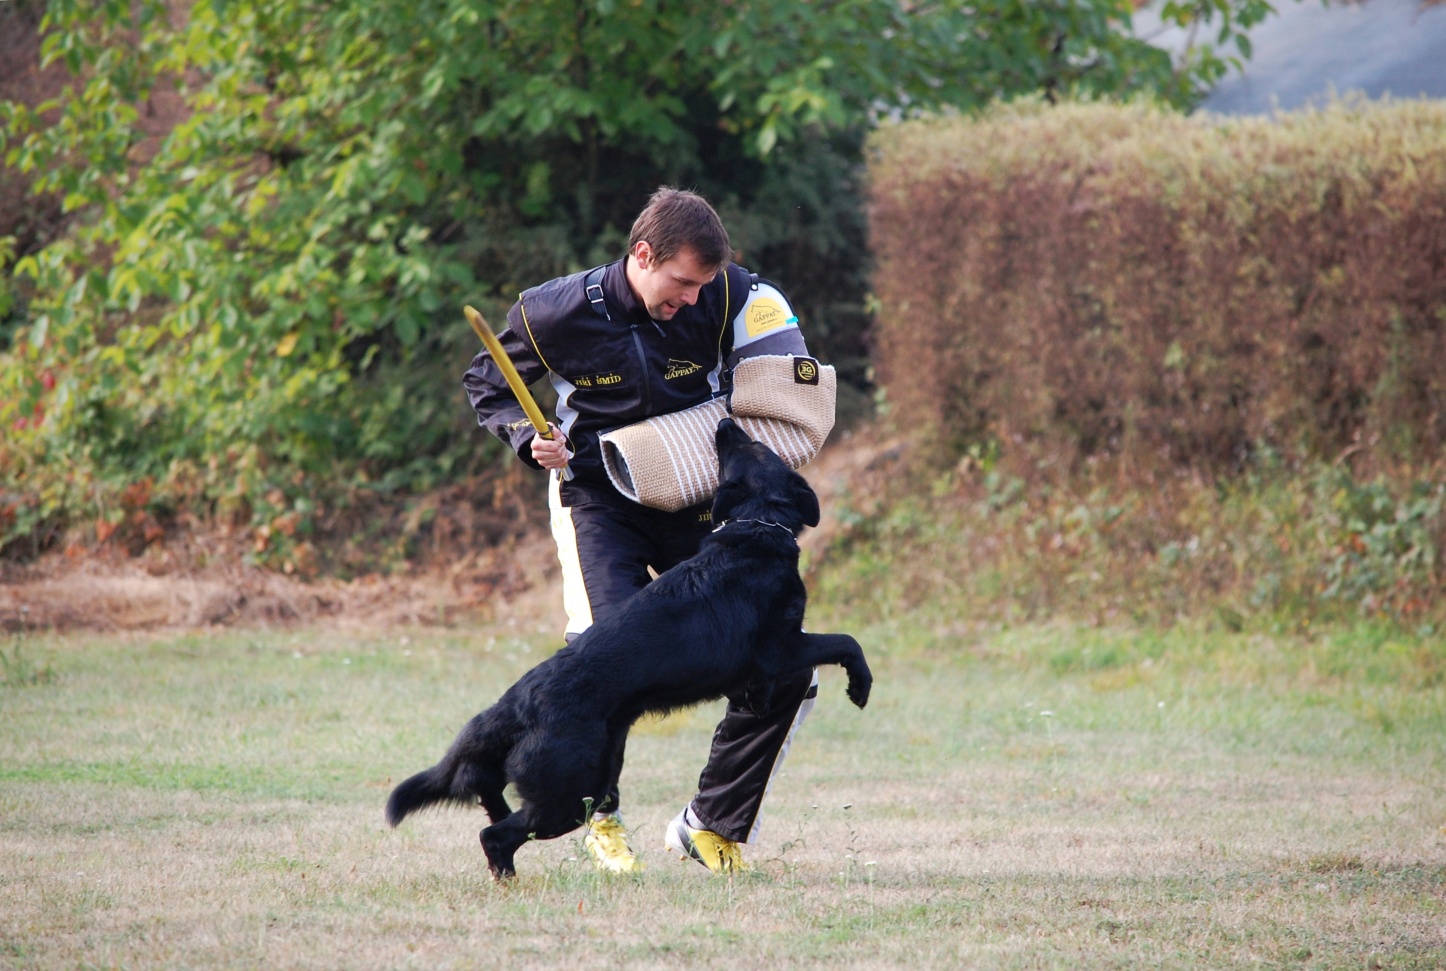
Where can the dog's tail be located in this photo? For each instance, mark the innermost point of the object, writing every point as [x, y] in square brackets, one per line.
[418, 792]
[471, 769]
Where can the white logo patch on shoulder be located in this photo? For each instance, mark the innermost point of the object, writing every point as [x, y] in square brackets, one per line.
[766, 312]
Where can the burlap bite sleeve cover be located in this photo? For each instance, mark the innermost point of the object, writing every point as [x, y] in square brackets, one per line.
[670, 462]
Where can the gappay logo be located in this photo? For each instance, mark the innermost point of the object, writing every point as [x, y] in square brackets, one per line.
[680, 369]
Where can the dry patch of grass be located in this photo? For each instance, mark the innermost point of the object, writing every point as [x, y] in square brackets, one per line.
[196, 801]
[162, 590]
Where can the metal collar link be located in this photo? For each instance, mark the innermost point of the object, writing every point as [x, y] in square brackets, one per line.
[761, 522]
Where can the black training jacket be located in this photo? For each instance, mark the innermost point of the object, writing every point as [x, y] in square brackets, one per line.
[617, 369]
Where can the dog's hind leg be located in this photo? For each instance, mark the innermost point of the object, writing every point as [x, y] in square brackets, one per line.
[487, 782]
[500, 842]
[617, 744]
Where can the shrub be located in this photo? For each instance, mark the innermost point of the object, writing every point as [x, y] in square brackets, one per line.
[1118, 281]
[274, 208]
[1274, 548]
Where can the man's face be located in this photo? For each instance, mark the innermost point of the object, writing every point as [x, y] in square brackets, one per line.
[666, 288]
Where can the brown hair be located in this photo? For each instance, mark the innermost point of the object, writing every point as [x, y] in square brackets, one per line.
[676, 219]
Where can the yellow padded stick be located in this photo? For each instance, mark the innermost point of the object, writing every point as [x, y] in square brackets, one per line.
[514, 380]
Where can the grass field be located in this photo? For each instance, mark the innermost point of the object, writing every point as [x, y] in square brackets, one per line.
[1045, 797]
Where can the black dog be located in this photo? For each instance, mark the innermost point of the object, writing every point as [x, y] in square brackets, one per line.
[725, 623]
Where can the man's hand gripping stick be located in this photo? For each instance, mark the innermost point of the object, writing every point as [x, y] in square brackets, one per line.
[514, 380]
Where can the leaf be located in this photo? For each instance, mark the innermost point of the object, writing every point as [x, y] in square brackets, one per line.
[39, 331]
[407, 330]
[767, 138]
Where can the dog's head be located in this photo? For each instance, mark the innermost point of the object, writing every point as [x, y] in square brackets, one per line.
[754, 483]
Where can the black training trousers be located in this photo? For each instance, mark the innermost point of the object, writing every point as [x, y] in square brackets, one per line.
[606, 544]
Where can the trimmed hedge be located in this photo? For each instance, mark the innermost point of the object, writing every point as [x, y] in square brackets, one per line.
[1094, 280]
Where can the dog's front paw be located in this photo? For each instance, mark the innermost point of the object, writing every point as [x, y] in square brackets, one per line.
[860, 682]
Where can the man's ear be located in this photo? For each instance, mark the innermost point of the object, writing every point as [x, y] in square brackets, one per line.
[643, 254]
[806, 501]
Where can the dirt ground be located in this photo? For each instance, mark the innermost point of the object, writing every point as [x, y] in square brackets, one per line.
[122, 594]
[517, 584]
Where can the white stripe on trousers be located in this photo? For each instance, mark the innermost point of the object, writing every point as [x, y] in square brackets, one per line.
[810, 698]
[564, 534]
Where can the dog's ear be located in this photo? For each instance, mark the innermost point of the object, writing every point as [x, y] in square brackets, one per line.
[806, 501]
[730, 493]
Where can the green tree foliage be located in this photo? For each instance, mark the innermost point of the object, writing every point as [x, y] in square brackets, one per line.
[255, 306]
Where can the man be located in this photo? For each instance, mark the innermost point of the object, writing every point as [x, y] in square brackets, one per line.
[654, 333]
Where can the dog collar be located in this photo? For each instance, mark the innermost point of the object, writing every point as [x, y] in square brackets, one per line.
[761, 522]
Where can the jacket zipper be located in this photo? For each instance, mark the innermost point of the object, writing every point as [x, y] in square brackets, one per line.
[643, 369]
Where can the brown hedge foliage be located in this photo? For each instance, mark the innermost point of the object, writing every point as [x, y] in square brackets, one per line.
[1104, 280]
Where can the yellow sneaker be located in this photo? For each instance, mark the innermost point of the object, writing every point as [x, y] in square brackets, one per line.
[718, 853]
[607, 843]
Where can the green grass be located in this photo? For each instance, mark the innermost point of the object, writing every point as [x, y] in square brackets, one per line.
[1041, 796]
